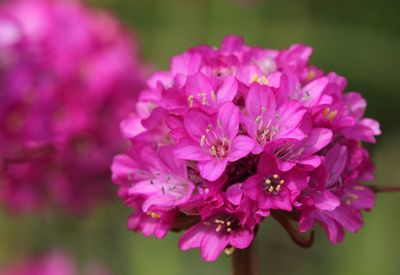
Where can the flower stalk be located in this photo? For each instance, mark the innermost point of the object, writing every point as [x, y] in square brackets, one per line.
[385, 188]
[245, 261]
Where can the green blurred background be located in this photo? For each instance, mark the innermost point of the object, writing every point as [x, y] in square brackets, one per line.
[359, 39]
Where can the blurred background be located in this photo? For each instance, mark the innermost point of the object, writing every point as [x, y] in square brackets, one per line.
[359, 39]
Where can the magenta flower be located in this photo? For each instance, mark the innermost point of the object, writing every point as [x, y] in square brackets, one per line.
[61, 103]
[231, 136]
[213, 141]
[159, 177]
[273, 189]
[218, 230]
[266, 122]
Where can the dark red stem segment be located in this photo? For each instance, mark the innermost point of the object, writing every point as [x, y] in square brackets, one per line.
[384, 188]
[297, 237]
[245, 261]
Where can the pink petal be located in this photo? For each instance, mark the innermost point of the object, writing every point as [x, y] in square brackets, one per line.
[192, 237]
[240, 147]
[259, 97]
[227, 91]
[212, 169]
[228, 116]
[212, 245]
[196, 123]
[190, 151]
[241, 239]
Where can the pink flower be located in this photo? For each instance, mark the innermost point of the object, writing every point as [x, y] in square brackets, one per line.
[213, 141]
[159, 177]
[215, 232]
[234, 135]
[335, 203]
[273, 189]
[265, 121]
[61, 103]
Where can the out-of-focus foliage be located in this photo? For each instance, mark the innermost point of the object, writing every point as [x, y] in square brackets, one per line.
[359, 39]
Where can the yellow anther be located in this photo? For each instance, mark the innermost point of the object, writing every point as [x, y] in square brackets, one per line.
[204, 98]
[209, 127]
[219, 123]
[219, 221]
[219, 228]
[271, 189]
[213, 150]
[202, 140]
[154, 215]
[229, 230]
[311, 75]
[213, 95]
[282, 182]
[268, 181]
[261, 80]
[228, 223]
[328, 114]
[331, 115]
[278, 188]
[326, 111]
[190, 100]
[229, 250]
[263, 109]
[275, 176]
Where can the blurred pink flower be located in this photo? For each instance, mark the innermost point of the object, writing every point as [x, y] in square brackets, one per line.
[53, 263]
[68, 75]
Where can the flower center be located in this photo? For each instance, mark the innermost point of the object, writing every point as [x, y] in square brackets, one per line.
[170, 186]
[273, 184]
[224, 223]
[217, 144]
[267, 128]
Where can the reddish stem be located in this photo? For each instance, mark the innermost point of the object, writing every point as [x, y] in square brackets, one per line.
[245, 261]
[385, 188]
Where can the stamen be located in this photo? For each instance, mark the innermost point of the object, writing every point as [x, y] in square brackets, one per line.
[219, 123]
[213, 95]
[202, 140]
[190, 100]
[154, 215]
[229, 250]
[331, 115]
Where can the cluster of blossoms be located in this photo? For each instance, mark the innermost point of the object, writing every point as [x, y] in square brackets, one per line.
[229, 136]
[68, 75]
[54, 262]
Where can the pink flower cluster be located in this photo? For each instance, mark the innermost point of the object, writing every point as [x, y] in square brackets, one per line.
[68, 75]
[229, 136]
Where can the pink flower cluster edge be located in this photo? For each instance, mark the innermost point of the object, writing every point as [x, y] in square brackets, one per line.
[230, 135]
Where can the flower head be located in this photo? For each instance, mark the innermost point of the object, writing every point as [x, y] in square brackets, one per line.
[245, 133]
